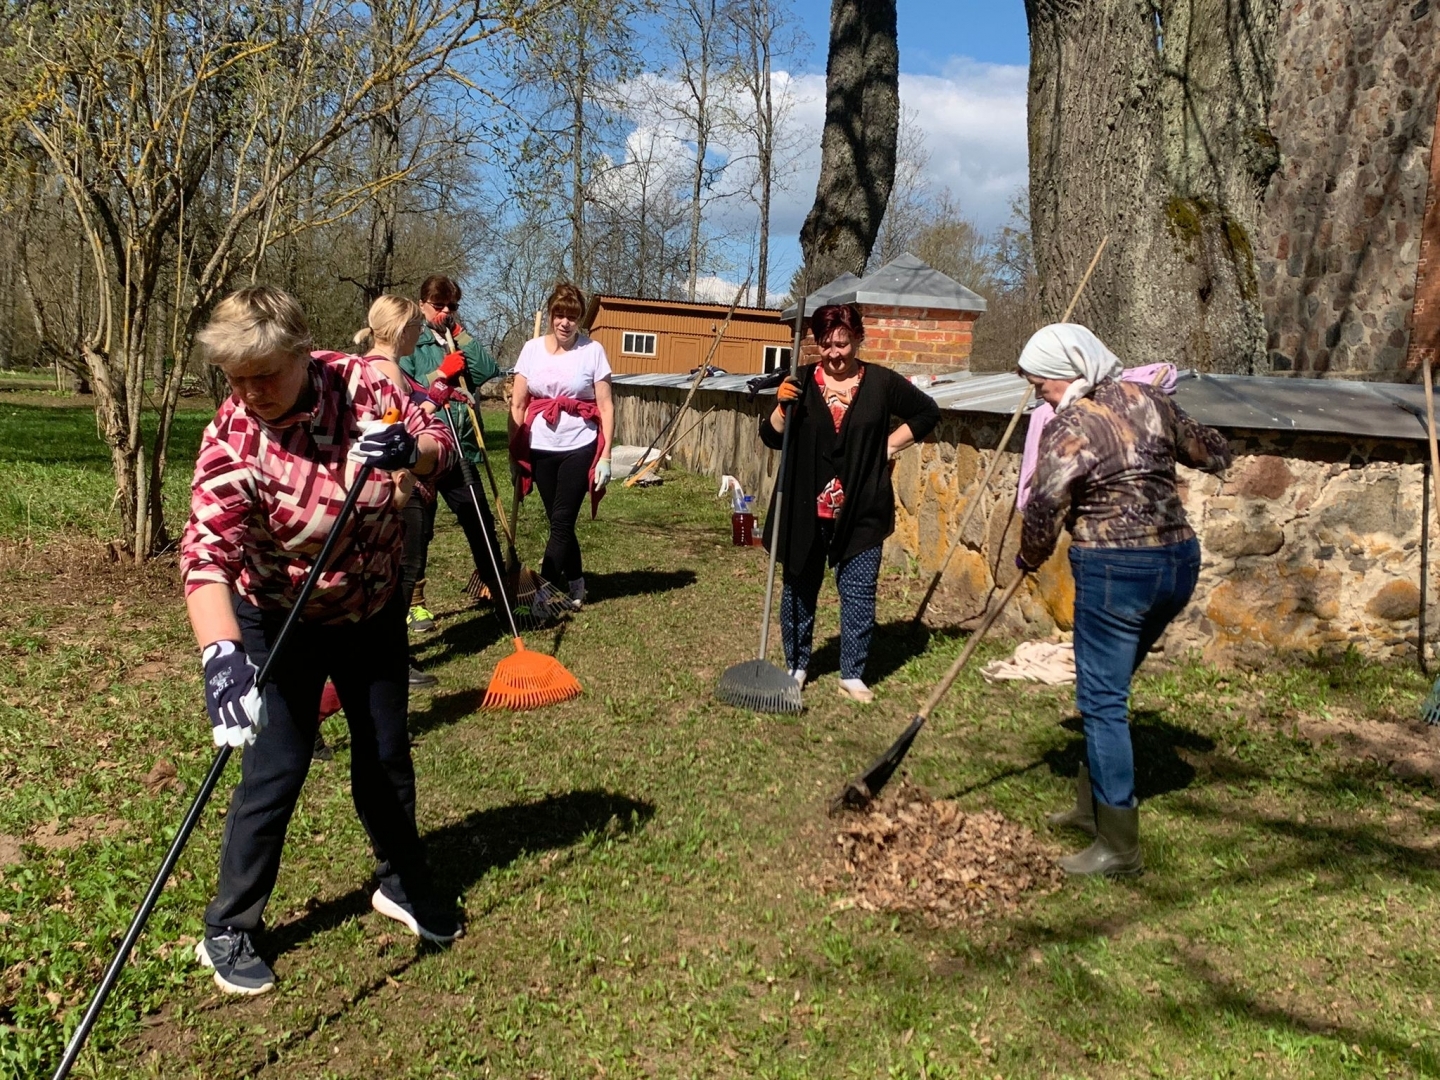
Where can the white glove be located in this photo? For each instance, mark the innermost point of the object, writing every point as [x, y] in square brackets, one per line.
[602, 473]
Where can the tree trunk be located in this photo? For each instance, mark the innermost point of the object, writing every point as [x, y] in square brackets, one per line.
[857, 147]
[1147, 123]
[765, 164]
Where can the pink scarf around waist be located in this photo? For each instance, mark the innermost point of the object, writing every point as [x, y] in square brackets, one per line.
[549, 409]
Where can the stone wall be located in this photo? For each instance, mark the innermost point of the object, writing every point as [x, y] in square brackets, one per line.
[1310, 542]
[1353, 108]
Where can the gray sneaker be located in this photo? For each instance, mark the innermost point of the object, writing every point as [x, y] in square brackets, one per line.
[238, 969]
[429, 921]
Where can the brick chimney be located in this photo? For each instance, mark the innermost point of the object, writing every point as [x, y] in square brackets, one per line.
[917, 320]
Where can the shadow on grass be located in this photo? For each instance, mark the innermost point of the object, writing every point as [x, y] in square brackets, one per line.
[893, 645]
[1337, 856]
[1159, 768]
[645, 582]
[444, 709]
[470, 631]
[463, 852]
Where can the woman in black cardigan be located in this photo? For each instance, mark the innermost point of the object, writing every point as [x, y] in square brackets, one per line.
[840, 506]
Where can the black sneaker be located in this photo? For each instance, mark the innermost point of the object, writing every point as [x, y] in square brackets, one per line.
[421, 678]
[429, 921]
[238, 970]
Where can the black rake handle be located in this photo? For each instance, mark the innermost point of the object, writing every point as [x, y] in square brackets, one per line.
[197, 807]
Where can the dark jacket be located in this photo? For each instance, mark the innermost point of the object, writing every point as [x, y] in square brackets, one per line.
[856, 453]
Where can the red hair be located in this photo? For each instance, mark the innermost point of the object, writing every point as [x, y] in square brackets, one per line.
[832, 317]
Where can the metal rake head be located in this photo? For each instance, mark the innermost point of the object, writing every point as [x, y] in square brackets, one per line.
[1430, 710]
[760, 686]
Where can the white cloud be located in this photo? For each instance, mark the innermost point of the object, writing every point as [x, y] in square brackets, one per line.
[973, 117]
[972, 114]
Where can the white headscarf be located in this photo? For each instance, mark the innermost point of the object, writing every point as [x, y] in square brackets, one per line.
[1069, 351]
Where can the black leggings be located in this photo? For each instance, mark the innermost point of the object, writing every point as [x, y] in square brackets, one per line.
[367, 663]
[419, 519]
[563, 477]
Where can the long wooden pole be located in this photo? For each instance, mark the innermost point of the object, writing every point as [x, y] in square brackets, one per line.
[700, 374]
[999, 451]
[1434, 461]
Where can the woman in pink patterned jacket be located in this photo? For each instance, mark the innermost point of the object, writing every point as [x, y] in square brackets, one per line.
[273, 470]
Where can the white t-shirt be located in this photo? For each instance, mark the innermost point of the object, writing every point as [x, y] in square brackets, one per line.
[573, 373]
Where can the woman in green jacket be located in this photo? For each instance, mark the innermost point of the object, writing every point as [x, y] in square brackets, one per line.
[447, 350]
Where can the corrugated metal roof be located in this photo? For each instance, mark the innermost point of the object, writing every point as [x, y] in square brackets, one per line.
[1250, 402]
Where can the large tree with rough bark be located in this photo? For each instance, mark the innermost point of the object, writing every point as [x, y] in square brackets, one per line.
[857, 146]
[1148, 124]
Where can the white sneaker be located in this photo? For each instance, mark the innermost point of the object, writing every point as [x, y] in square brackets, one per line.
[856, 690]
[798, 674]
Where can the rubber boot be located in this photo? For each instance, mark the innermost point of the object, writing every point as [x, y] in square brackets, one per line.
[1116, 849]
[1082, 815]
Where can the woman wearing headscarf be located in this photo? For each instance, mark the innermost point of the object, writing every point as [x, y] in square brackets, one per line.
[562, 422]
[1106, 472]
[271, 476]
[840, 506]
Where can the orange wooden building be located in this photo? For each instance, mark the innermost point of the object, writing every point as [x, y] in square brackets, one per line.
[647, 337]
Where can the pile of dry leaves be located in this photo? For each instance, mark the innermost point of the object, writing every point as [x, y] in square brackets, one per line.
[911, 853]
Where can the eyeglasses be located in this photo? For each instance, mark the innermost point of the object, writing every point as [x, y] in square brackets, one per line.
[442, 307]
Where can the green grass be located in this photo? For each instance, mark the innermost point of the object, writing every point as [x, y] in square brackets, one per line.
[636, 865]
[56, 479]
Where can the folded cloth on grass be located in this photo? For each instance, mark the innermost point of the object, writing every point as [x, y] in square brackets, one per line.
[1045, 662]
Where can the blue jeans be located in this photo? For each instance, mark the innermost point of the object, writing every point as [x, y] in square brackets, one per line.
[855, 578]
[1124, 600]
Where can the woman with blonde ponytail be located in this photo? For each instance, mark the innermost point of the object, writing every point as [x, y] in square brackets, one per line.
[389, 336]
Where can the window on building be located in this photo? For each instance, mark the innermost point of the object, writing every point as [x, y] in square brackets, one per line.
[777, 357]
[638, 344]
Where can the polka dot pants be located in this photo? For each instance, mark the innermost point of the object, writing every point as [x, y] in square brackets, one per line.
[855, 578]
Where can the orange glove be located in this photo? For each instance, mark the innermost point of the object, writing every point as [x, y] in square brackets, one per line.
[789, 390]
[452, 365]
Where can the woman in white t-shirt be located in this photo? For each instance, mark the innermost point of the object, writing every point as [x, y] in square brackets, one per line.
[562, 426]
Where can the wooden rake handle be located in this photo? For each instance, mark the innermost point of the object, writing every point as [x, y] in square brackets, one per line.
[964, 658]
[979, 495]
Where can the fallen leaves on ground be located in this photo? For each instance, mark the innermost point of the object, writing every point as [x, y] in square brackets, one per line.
[161, 777]
[911, 853]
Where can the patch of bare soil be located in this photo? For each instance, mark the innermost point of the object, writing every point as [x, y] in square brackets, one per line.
[52, 837]
[10, 852]
[910, 853]
[1409, 749]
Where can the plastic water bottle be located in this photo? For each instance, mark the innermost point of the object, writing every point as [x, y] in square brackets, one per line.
[742, 522]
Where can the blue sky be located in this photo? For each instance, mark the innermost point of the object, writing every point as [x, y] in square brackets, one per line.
[934, 32]
[963, 70]
[963, 74]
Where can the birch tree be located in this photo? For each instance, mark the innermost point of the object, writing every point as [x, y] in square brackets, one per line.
[567, 65]
[762, 35]
[180, 135]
